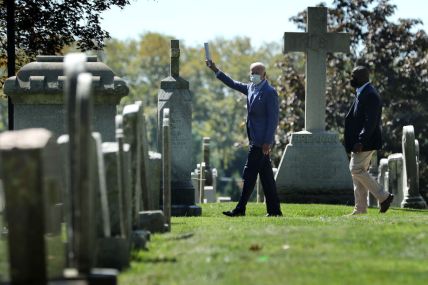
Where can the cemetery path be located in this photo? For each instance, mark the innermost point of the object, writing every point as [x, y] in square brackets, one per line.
[311, 244]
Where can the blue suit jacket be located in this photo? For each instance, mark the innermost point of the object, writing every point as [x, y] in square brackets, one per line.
[363, 121]
[262, 112]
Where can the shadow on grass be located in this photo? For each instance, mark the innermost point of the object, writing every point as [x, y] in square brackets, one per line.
[182, 236]
[158, 259]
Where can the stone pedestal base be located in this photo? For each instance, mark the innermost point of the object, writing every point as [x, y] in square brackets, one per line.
[414, 203]
[113, 252]
[315, 169]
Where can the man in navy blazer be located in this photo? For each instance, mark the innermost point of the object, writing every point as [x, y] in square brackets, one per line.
[262, 121]
[362, 138]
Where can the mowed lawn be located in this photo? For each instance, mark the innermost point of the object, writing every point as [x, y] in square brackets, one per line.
[311, 244]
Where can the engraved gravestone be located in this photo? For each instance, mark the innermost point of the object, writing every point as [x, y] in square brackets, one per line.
[174, 94]
[412, 196]
[314, 166]
[37, 94]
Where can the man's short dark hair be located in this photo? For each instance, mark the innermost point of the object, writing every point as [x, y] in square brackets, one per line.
[362, 72]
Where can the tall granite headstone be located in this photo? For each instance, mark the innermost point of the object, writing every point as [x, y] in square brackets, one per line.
[149, 200]
[37, 94]
[174, 94]
[166, 167]
[412, 196]
[314, 166]
[132, 136]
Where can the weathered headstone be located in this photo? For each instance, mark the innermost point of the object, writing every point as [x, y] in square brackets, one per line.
[29, 175]
[148, 196]
[37, 94]
[115, 250]
[124, 176]
[202, 183]
[100, 185]
[82, 174]
[206, 158]
[174, 94]
[132, 136]
[383, 169]
[166, 167]
[314, 166]
[412, 196]
[395, 178]
[83, 196]
[154, 183]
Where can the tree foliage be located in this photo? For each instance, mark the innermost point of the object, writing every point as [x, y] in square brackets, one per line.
[45, 27]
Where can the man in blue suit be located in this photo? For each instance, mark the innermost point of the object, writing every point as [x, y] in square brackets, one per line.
[362, 138]
[262, 121]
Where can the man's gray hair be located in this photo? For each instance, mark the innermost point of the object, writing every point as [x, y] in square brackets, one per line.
[254, 64]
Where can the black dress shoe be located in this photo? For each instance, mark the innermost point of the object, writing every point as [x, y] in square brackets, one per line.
[274, 214]
[384, 206]
[234, 213]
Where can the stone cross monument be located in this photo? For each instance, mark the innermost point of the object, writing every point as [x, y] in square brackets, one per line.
[175, 95]
[314, 166]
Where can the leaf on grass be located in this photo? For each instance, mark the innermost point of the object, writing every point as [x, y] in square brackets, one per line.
[255, 247]
[285, 247]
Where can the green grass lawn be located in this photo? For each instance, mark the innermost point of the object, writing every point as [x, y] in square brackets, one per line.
[311, 244]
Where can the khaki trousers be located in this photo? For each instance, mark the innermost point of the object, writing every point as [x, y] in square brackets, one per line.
[363, 182]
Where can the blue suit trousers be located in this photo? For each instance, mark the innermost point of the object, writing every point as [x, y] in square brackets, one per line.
[258, 163]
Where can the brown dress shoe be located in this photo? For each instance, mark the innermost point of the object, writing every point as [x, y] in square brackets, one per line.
[384, 206]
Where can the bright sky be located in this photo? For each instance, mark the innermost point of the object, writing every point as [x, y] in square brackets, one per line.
[198, 21]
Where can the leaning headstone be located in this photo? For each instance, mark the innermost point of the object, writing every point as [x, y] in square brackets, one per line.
[29, 175]
[412, 196]
[314, 166]
[37, 94]
[174, 94]
[166, 167]
[395, 178]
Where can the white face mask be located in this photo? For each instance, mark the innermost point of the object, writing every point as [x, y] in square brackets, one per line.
[255, 78]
